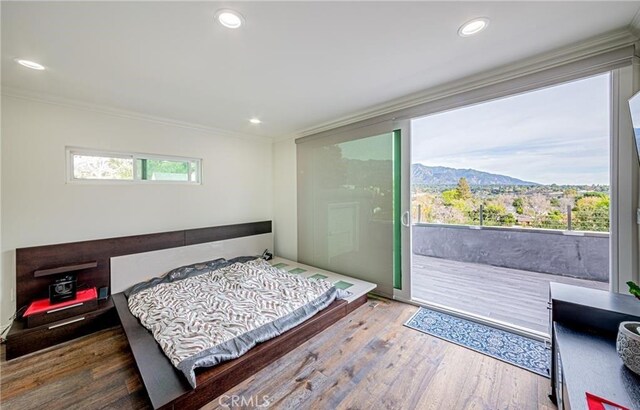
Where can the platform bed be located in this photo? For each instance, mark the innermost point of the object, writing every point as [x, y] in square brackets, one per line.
[119, 263]
[167, 387]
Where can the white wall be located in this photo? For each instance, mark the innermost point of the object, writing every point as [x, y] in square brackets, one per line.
[5, 313]
[39, 208]
[285, 199]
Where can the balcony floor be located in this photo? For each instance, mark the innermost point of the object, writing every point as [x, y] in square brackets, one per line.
[509, 295]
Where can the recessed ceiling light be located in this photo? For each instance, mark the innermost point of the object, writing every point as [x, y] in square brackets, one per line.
[30, 64]
[473, 27]
[229, 18]
[255, 121]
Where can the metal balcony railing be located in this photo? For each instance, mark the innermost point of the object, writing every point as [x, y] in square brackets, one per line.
[592, 219]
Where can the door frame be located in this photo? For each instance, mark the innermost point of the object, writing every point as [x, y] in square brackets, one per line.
[624, 194]
[403, 293]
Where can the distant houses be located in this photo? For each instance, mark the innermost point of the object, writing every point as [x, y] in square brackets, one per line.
[524, 220]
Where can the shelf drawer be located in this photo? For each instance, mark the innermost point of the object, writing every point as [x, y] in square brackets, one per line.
[60, 314]
[28, 340]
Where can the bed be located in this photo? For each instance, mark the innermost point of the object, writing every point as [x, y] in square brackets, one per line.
[208, 313]
[169, 382]
[113, 265]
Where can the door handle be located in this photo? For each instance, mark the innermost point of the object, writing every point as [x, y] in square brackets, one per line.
[405, 219]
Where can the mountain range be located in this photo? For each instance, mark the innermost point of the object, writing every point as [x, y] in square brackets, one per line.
[425, 175]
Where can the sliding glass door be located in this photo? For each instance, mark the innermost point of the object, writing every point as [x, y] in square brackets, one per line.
[349, 211]
[508, 196]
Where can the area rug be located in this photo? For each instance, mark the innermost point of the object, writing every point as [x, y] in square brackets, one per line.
[514, 349]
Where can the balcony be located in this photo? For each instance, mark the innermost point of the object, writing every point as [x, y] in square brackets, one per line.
[504, 273]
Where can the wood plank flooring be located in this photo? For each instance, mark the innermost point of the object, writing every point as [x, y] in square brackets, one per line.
[510, 295]
[367, 360]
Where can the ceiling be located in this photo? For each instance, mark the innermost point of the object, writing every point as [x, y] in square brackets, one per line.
[294, 65]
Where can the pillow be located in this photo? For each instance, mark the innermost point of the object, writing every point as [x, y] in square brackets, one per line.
[176, 274]
[187, 271]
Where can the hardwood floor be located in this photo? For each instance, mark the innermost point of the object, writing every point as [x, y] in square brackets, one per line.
[367, 360]
[95, 371]
[510, 295]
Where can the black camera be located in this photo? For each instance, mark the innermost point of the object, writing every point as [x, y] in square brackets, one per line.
[63, 289]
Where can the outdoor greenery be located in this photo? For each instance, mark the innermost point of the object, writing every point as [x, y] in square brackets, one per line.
[98, 167]
[634, 289]
[169, 170]
[535, 206]
[94, 167]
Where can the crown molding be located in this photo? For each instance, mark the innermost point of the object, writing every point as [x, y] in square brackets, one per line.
[634, 26]
[285, 138]
[25, 95]
[593, 46]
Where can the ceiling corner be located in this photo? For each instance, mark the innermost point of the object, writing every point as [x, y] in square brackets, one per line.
[27, 95]
[634, 26]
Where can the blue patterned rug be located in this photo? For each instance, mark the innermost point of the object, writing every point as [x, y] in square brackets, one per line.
[517, 350]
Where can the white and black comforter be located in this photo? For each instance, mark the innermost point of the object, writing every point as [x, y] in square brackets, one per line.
[215, 316]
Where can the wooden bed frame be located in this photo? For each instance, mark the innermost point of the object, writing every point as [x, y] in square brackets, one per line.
[166, 387]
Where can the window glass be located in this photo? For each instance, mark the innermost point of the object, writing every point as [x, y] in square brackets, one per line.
[165, 170]
[132, 167]
[99, 167]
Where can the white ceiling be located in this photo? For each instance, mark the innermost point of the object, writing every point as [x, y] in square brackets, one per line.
[294, 65]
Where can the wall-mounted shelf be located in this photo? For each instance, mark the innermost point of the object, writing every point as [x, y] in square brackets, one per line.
[63, 269]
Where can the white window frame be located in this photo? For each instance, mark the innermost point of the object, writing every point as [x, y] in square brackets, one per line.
[134, 156]
[624, 261]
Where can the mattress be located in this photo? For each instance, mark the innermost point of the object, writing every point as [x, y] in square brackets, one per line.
[203, 315]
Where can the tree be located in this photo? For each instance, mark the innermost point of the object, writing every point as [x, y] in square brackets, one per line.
[507, 220]
[591, 212]
[103, 168]
[449, 196]
[152, 168]
[493, 213]
[518, 204]
[554, 220]
[464, 192]
[423, 203]
[538, 204]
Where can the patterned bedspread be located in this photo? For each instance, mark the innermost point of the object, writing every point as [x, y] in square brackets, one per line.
[203, 320]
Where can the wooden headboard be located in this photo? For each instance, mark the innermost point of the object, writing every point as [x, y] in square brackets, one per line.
[90, 260]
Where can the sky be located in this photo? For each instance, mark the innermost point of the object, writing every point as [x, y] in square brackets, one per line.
[634, 107]
[553, 135]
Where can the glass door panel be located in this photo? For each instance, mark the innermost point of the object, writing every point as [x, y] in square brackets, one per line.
[347, 222]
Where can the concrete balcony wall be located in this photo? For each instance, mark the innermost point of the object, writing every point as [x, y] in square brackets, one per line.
[582, 255]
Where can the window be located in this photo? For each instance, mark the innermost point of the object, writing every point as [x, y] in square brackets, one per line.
[87, 165]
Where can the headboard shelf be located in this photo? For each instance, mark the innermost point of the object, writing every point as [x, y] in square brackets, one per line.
[64, 269]
[95, 260]
[35, 265]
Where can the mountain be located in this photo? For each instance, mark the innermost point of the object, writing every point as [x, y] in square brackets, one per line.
[424, 175]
